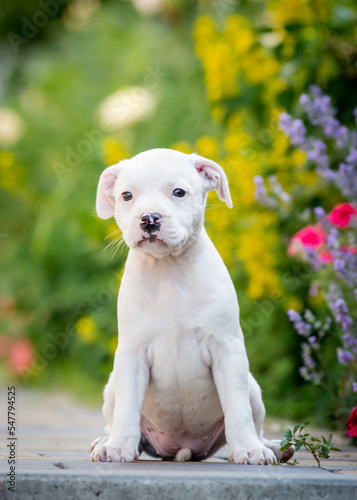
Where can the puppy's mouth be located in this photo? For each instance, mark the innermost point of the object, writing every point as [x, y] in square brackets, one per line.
[150, 239]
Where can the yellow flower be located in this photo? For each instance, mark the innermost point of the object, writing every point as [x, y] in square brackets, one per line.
[255, 248]
[85, 329]
[207, 146]
[239, 33]
[113, 151]
[204, 33]
[182, 146]
[298, 157]
[259, 67]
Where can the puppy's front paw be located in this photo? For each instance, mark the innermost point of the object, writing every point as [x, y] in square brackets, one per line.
[255, 456]
[275, 445]
[99, 440]
[108, 451]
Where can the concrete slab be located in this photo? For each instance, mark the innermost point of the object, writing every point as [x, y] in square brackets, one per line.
[53, 463]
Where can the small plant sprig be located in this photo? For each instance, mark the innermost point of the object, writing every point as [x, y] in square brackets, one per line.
[319, 448]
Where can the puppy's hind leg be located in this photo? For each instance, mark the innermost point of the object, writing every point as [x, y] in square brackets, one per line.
[108, 411]
[258, 410]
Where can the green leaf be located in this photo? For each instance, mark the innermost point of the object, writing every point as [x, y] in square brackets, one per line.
[298, 446]
[297, 427]
[288, 434]
[315, 440]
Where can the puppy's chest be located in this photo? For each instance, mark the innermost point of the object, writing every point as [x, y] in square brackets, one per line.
[165, 303]
[176, 347]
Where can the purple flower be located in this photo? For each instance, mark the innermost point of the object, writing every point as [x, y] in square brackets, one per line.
[339, 264]
[297, 133]
[304, 100]
[321, 113]
[294, 129]
[341, 314]
[318, 154]
[320, 109]
[333, 238]
[355, 114]
[313, 340]
[339, 307]
[261, 194]
[346, 180]
[354, 386]
[319, 212]
[349, 342]
[300, 325]
[352, 157]
[341, 136]
[344, 357]
[306, 356]
[315, 91]
[285, 122]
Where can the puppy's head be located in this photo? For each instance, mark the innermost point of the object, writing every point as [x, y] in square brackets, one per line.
[158, 198]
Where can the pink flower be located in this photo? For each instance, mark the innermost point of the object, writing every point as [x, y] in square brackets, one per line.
[341, 215]
[325, 257]
[309, 236]
[21, 356]
[352, 424]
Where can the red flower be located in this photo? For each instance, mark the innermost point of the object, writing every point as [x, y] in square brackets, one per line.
[21, 356]
[341, 215]
[352, 424]
[309, 236]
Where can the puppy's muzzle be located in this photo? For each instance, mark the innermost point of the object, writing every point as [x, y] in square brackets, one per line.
[150, 222]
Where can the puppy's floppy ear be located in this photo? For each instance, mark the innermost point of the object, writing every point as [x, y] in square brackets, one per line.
[214, 177]
[105, 192]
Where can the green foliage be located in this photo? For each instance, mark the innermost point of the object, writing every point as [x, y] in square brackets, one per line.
[319, 448]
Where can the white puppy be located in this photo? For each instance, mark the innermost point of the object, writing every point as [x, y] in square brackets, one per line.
[181, 387]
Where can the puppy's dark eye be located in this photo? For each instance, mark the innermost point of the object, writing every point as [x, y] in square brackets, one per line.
[127, 195]
[179, 193]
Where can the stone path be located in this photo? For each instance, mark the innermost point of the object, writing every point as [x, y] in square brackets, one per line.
[53, 463]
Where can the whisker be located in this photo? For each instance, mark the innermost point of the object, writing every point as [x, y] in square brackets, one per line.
[114, 242]
[121, 243]
[116, 231]
[210, 207]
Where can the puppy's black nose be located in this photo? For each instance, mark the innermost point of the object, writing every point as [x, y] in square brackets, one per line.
[150, 222]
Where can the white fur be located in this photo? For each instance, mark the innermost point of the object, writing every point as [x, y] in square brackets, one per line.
[181, 361]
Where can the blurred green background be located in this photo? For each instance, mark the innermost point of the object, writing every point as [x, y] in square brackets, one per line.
[84, 84]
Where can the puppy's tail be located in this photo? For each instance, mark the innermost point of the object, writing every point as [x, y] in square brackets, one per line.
[183, 455]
